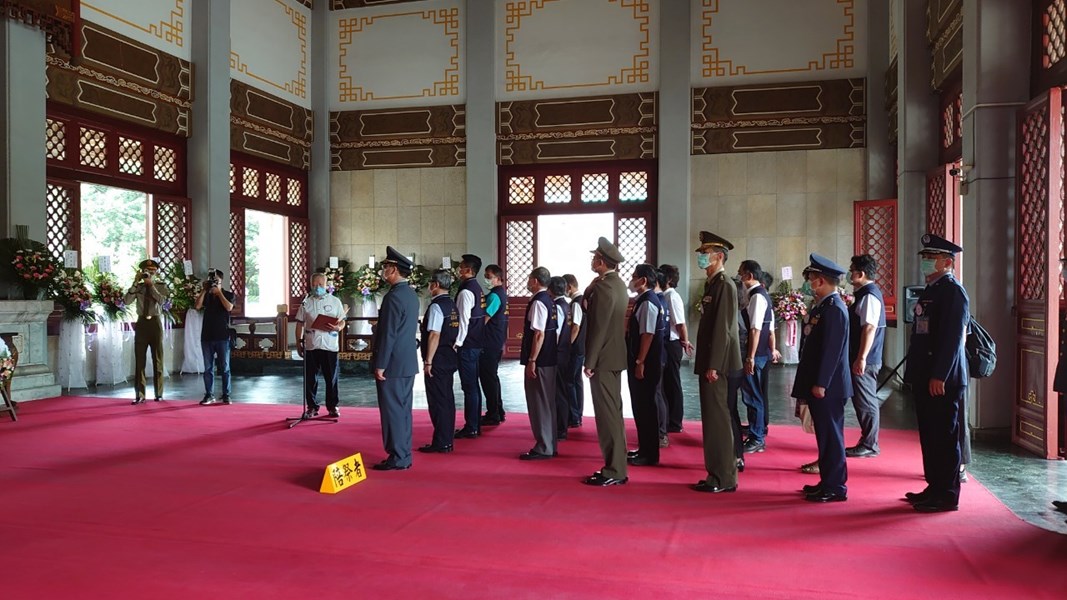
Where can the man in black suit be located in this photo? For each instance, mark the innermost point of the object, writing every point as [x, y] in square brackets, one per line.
[937, 373]
[822, 379]
[395, 360]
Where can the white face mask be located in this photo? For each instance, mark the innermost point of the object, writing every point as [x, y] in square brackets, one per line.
[632, 286]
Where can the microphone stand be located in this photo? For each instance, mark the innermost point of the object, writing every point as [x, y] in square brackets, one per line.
[305, 414]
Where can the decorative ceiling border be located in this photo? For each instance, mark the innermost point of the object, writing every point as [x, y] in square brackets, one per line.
[171, 30]
[516, 81]
[346, 4]
[297, 86]
[58, 19]
[713, 64]
[448, 85]
[425, 136]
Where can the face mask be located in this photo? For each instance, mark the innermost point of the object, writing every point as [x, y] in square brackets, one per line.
[703, 260]
[320, 291]
[488, 282]
[632, 286]
[928, 266]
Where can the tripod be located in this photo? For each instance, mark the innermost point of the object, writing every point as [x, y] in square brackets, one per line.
[892, 374]
[306, 414]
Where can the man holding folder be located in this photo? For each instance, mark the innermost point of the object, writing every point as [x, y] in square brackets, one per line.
[320, 317]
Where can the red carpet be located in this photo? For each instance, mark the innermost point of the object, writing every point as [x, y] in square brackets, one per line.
[100, 499]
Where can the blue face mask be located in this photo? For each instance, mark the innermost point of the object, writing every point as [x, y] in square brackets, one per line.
[703, 260]
[928, 266]
[320, 291]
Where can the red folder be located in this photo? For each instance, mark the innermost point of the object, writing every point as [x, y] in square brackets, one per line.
[323, 323]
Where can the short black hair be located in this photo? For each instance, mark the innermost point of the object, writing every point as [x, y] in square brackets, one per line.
[443, 278]
[557, 286]
[541, 276]
[671, 274]
[571, 279]
[473, 262]
[866, 264]
[767, 280]
[753, 268]
[494, 270]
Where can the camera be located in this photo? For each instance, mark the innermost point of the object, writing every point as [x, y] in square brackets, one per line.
[955, 172]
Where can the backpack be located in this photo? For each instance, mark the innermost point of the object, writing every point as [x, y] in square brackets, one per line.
[981, 351]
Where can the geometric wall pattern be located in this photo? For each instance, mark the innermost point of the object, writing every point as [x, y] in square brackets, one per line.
[159, 24]
[270, 47]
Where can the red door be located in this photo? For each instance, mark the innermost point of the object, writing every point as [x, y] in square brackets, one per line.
[1038, 288]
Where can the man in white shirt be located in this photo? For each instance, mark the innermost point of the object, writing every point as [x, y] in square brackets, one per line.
[677, 343]
[576, 317]
[319, 347]
[866, 339]
[469, 343]
[757, 322]
[539, 356]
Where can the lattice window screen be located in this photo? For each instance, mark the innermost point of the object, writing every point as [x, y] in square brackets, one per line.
[936, 207]
[299, 259]
[595, 187]
[1054, 40]
[557, 189]
[165, 167]
[55, 140]
[237, 256]
[250, 182]
[274, 187]
[61, 214]
[233, 179]
[633, 237]
[131, 156]
[93, 148]
[875, 233]
[633, 186]
[171, 222]
[519, 261]
[293, 198]
[1032, 242]
[521, 190]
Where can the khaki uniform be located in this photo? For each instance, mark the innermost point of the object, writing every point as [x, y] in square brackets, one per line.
[605, 355]
[148, 333]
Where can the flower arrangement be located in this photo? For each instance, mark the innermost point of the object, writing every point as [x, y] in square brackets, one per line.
[341, 281]
[7, 365]
[454, 288]
[846, 297]
[366, 282]
[420, 278]
[790, 305]
[28, 265]
[183, 289]
[71, 292]
[108, 294]
[35, 267]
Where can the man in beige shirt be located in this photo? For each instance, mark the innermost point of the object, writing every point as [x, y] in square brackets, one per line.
[149, 293]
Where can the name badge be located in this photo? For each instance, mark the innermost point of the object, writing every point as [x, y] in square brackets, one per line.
[922, 325]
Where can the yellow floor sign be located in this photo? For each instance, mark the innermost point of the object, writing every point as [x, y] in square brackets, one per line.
[343, 474]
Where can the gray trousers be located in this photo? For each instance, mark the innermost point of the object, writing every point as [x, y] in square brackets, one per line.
[541, 404]
[868, 406]
[394, 405]
[606, 388]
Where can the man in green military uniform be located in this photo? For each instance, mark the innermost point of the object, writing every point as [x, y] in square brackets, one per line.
[605, 360]
[148, 333]
[718, 353]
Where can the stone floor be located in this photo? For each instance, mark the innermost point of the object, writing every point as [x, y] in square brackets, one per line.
[1026, 484]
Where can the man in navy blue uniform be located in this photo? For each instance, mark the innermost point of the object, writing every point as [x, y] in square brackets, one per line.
[866, 338]
[496, 334]
[539, 356]
[822, 380]
[557, 290]
[937, 373]
[469, 343]
[396, 360]
[757, 318]
[438, 331]
[644, 352]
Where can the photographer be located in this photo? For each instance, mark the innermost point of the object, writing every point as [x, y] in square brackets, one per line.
[148, 333]
[215, 335]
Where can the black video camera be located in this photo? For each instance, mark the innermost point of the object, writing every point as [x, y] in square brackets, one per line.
[214, 276]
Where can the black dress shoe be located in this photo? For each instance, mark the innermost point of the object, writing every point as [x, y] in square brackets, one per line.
[675, 430]
[561, 436]
[825, 496]
[385, 465]
[311, 412]
[935, 507]
[534, 455]
[466, 434]
[711, 488]
[430, 448]
[1060, 505]
[574, 424]
[752, 446]
[488, 420]
[642, 461]
[159, 398]
[599, 480]
[137, 401]
[334, 412]
[740, 465]
[632, 453]
[860, 452]
[811, 489]
[916, 497]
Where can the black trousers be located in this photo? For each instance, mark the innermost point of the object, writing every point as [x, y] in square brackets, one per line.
[564, 393]
[577, 400]
[643, 401]
[733, 387]
[672, 386]
[828, 416]
[316, 361]
[441, 403]
[939, 437]
[488, 364]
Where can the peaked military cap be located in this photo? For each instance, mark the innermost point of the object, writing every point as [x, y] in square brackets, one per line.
[935, 244]
[474, 261]
[148, 263]
[608, 250]
[392, 256]
[821, 264]
[710, 241]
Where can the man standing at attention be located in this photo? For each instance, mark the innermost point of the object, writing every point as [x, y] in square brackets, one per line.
[319, 347]
[438, 330]
[496, 334]
[469, 343]
[937, 372]
[822, 379]
[605, 359]
[577, 359]
[866, 337]
[539, 356]
[718, 353]
[395, 360]
[148, 333]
